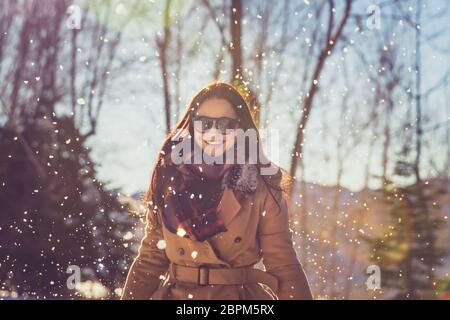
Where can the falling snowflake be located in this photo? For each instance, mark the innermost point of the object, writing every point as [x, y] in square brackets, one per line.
[181, 232]
[161, 244]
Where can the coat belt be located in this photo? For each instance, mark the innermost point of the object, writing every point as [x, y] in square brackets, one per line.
[204, 275]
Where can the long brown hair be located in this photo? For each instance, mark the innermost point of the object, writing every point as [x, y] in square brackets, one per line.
[215, 89]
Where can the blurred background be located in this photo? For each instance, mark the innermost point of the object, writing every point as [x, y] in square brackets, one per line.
[358, 92]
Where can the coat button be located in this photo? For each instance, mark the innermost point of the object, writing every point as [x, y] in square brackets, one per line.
[237, 239]
[180, 251]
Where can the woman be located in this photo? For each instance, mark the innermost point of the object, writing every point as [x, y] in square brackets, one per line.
[210, 222]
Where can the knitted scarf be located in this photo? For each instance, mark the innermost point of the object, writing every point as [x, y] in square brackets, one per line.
[193, 192]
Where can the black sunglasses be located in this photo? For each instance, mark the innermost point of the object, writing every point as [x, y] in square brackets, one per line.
[222, 123]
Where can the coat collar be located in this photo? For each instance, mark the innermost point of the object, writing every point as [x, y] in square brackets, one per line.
[239, 179]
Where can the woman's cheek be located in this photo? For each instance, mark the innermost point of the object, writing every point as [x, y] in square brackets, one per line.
[198, 139]
[230, 140]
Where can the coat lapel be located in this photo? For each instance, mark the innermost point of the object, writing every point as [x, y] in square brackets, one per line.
[228, 206]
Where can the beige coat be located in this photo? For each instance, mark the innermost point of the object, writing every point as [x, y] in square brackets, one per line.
[257, 228]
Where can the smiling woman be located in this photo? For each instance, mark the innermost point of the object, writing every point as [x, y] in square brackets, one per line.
[217, 220]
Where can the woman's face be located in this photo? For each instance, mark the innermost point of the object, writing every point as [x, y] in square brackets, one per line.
[213, 141]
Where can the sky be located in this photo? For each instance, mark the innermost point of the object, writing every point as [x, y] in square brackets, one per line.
[131, 125]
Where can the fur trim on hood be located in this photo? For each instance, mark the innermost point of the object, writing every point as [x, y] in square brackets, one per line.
[242, 178]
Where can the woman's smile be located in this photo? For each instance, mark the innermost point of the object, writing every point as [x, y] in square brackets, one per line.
[214, 143]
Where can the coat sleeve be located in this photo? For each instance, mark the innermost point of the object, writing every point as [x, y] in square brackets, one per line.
[144, 276]
[278, 254]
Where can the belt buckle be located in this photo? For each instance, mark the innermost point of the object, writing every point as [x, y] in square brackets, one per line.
[203, 275]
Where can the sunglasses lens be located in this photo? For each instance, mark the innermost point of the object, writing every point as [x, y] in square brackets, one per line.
[224, 124]
[205, 123]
